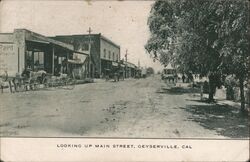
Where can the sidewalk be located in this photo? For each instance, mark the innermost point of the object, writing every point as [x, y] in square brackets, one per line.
[220, 96]
[223, 116]
[221, 100]
[232, 104]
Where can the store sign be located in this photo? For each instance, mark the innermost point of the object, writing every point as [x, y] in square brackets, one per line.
[79, 57]
[114, 64]
[8, 59]
[7, 49]
[83, 46]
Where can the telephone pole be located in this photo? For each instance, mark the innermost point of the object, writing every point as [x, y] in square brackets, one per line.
[90, 58]
[126, 60]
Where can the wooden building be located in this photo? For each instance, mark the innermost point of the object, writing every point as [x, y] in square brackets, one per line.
[104, 54]
[24, 49]
[130, 69]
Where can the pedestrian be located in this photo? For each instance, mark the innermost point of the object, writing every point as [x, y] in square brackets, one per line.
[1, 84]
[176, 77]
[106, 77]
[183, 78]
[172, 78]
[191, 78]
[115, 77]
[206, 87]
[118, 76]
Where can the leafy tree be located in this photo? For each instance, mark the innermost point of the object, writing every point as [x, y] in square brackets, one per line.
[208, 37]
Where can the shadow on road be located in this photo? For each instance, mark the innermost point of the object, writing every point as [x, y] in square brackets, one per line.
[177, 90]
[225, 120]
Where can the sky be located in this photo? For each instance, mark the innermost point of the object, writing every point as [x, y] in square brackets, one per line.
[124, 22]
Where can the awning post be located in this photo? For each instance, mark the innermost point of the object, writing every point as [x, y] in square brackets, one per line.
[53, 61]
[67, 65]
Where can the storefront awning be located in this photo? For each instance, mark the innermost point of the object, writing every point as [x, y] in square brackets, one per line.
[75, 62]
[77, 59]
[114, 64]
[39, 41]
[35, 37]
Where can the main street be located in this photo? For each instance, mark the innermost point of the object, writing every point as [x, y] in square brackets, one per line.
[145, 108]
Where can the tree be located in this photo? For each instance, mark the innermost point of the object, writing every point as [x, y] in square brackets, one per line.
[205, 37]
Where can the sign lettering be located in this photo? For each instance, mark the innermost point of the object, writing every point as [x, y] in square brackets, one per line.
[8, 59]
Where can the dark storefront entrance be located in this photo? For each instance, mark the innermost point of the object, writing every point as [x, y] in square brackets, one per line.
[109, 68]
[48, 57]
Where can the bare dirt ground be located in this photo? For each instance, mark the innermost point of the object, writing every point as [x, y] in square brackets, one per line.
[134, 108]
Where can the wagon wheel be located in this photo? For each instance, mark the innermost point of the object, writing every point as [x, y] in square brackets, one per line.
[33, 83]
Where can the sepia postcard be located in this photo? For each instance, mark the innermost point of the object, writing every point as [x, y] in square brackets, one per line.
[124, 80]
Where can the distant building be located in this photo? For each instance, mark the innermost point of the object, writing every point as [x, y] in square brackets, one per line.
[130, 69]
[24, 49]
[105, 54]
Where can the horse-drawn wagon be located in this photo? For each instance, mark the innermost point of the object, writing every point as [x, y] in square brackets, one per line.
[34, 80]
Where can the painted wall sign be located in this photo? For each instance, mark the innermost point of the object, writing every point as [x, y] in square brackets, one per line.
[78, 57]
[8, 59]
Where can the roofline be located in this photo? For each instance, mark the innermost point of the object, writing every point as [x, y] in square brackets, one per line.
[101, 36]
[108, 40]
[74, 35]
[126, 62]
[6, 33]
[59, 43]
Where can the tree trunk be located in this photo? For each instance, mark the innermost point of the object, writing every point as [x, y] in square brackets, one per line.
[212, 89]
[242, 97]
[201, 94]
[211, 92]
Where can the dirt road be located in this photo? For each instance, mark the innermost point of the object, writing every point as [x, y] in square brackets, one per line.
[130, 108]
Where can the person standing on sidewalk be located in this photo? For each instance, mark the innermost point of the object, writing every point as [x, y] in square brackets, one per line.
[183, 78]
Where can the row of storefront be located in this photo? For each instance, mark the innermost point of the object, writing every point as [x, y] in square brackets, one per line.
[84, 56]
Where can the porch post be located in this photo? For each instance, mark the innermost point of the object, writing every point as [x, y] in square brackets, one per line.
[18, 59]
[67, 65]
[32, 64]
[90, 61]
[53, 61]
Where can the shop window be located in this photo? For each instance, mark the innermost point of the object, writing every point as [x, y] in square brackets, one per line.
[104, 53]
[117, 57]
[38, 60]
[29, 59]
[85, 47]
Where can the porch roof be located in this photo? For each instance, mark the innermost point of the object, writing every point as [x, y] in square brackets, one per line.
[35, 37]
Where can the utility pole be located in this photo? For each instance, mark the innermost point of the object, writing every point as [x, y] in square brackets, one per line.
[138, 69]
[90, 58]
[126, 60]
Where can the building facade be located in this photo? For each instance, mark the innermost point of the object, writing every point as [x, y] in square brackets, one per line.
[84, 56]
[131, 70]
[24, 49]
[104, 54]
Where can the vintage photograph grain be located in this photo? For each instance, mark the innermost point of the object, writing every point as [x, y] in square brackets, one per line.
[134, 69]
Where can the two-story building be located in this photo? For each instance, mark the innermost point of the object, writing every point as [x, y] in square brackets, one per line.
[104, 54]
[24, 49]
